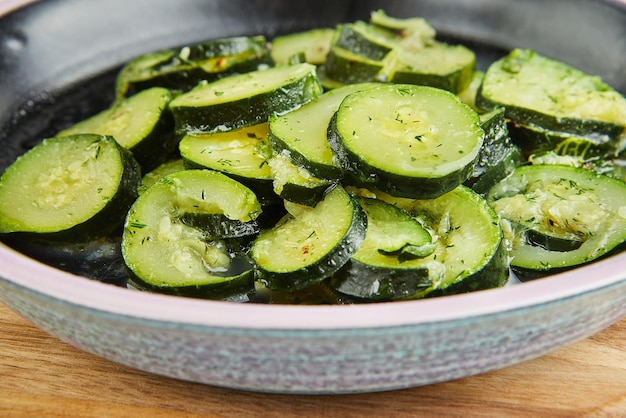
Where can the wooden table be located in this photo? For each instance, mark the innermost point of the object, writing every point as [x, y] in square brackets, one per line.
[40, 376]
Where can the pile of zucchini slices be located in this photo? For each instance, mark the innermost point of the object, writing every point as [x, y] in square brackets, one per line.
[367, 162]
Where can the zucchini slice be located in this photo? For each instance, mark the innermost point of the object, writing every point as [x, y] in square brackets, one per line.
[559, 203]
[244, 99]
[406, 140]
[162, 170]
[185, 67]
[296, 184]
[73, 188]
[170, 243]
[437, 64]
[314, 44]
[369, 41]
[381, 269]
[141, 124]
[303, 132]
[309, 244]
[241, 154]
[413, 31]
[539, 91]
[533, 140]
[346, 67]
[470, 253]
[498, 155]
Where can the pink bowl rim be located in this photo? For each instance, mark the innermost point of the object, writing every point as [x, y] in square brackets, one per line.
[37, 277]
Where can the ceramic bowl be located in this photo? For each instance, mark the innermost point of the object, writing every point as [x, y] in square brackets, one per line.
[47, 46]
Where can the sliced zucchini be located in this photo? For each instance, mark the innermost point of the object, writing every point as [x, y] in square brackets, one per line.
[542, 92]
[381, 269]
[468, 94]
[532, 140]
[74, 188]
[309, 244]
[296, 184]
[498, 155]
[413, 32]
[437, 64]
[470, 253]
[313, 43]
[244, 99]
[303, 132]
[345, 67]
[168, 253]
[406, 140]
[560, 203]
[185, 67]
[488, 178]
[141, 124]
[242, 154]
[369, 41]
[162, 170]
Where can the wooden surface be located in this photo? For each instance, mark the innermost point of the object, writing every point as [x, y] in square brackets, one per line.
[40, 376]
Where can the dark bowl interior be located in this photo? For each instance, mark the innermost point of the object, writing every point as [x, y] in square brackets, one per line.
[59, 58]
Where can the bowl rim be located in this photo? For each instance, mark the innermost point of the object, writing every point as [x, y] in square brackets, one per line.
[42, 279]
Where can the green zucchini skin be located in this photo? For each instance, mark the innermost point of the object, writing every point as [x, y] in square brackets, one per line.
[346, 67]
[409, 68]
[398, 168]
[561, 203]
[309, 271]
[142, 124]
[162, 170]
[379, 270]
[470, 253]
[103, 220]
[184, 68]
[530, 73]
[363, 281]
[172, 244]
[314, 44]
[533, 140]
[498, 156]
[222, 105]
[242, 154]
[238, 288]
[302, 133]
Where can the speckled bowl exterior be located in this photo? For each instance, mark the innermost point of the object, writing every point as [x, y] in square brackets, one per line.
[318, 349]
[300, 349]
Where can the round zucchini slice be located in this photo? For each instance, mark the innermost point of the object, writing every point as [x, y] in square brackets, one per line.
[470, 253]
[346, 67]
[437, 64]
[381, 269]
[170, 242]
[244, 99]
[539, 91]
[73, 188]
[406, 140]
[313, 43]
[141, 124]
[185, 67]
[309, 244]
[303, 132]
[242, 154]
[162, 170]
[562, 216]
